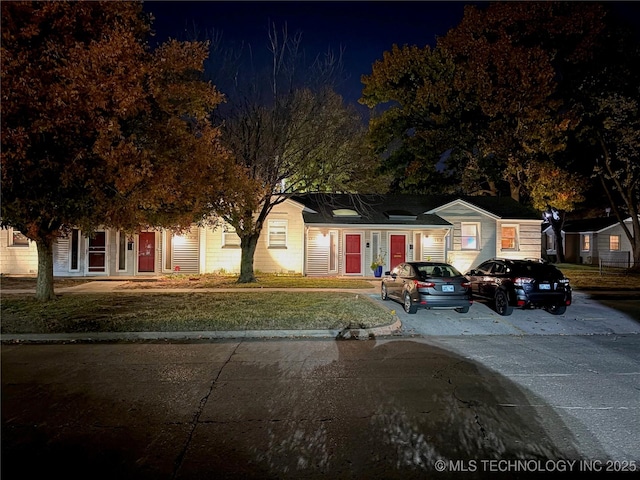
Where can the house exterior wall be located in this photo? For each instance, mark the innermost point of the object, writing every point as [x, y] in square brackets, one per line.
[288, 259]
[420, 245]
[62, 255]
[489, 245]
[17, 260]
[622, 257]
[307, 250]
[464, 259]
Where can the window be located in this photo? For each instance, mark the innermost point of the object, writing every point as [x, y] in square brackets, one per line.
[469, 234]
[509, 239]
[74, 251]
[614, 242]
[277, 234]
[122, 251]
[333, 251]
[586, 243]
[230, 237]
[17, 239]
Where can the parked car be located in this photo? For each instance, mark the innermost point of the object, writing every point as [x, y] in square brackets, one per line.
[522, 284]
[427, 285]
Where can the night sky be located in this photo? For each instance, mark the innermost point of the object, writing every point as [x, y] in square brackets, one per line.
[364, 29]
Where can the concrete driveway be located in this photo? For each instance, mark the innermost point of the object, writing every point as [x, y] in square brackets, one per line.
[584, 317]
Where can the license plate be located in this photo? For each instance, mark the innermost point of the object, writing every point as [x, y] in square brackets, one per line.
[448, 288]
[544, 286]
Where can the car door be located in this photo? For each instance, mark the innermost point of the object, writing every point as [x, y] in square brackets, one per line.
[478, 280]
[494, 279]
[407, 275]
[394, 283]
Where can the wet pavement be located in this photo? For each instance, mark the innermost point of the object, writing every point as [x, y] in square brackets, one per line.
[384, 408]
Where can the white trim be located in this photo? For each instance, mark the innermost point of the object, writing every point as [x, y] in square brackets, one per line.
[465, 204]
[378, 226]
[517, 239]
[617, 224]
[88, 252]
[336, 253]
[10, 239]
[119, 235]
[70, 259]
[478, 237]
[279, 222]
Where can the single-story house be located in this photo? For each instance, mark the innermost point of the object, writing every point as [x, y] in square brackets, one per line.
[310, 234]
[589, 240]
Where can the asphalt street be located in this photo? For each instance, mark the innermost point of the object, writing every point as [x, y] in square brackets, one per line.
[448, 396]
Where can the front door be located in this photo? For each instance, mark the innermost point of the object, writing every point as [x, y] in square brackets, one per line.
[352, 253]
[97, 261]
[146, 252]
[398, 249]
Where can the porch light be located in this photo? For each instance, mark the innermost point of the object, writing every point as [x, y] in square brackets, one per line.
[323, 239]
[179, 240]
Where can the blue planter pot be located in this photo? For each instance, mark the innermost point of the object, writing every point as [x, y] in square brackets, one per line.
[378, 271]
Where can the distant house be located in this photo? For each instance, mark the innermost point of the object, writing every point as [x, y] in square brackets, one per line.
[590, 240]
[314, 234]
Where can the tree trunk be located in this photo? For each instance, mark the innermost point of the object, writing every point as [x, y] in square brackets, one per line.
[44, 284]
[635, 244]
[248, 244]
[557, 230]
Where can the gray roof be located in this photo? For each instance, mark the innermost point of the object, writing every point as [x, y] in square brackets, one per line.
[398, 209]
[588, 224]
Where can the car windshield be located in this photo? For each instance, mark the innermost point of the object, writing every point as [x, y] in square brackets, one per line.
[537, 270]
[442, 270]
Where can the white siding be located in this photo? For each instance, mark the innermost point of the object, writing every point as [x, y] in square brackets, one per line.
[266, 259]
[186, 251]
[18, 260]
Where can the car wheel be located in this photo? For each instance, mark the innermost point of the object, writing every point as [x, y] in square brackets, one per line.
[383, 292]
[557, 309]
[502, 304]
[408, 306]
[462, 309]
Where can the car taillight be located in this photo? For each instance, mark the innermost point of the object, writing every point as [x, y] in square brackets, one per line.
[522, 280]
[420, 284]
[465, 284]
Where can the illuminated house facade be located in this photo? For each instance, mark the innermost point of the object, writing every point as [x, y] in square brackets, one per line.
[591, 240]
[314, 235]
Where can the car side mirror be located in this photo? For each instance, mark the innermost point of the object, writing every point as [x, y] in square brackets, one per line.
[389, 273]
[471, 272]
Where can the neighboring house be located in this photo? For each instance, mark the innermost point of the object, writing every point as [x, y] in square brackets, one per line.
[591, 240]
[314, 234]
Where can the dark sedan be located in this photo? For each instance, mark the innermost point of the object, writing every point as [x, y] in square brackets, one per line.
[522, 284]
[427, 285]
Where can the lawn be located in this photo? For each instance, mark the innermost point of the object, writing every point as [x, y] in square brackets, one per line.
[133, 309]
[588, 277]
[203, 311]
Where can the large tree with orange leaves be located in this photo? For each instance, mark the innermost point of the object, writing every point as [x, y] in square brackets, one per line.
[98, 130]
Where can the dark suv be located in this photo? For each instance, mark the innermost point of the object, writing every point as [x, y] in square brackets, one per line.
[522, 284]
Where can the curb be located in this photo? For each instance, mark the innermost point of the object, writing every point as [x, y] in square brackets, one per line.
[344, 334]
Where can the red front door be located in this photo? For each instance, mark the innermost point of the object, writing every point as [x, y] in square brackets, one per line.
[398, 249]
[352, 254]
[146, 252]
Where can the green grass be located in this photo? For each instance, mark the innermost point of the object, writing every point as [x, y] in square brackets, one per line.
[205, 311]
[588, 277]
